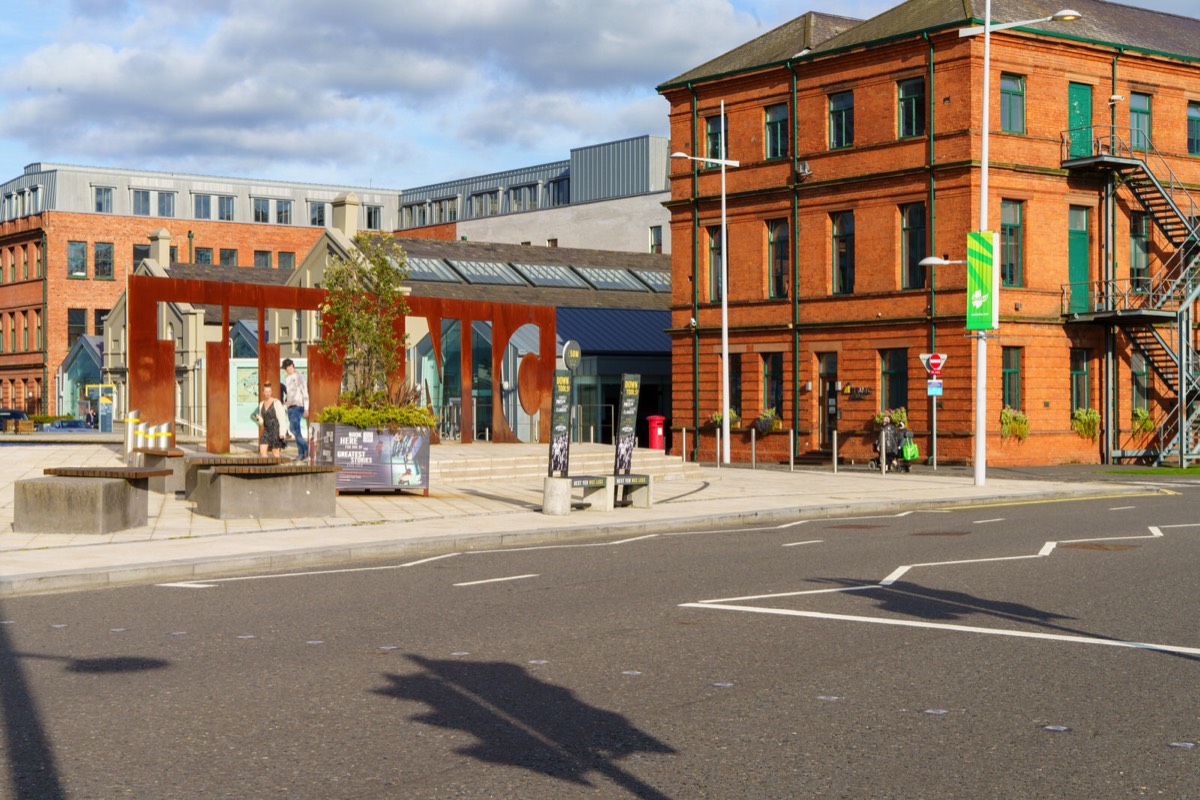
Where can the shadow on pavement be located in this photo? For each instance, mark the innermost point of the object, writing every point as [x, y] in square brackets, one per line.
[524, 722]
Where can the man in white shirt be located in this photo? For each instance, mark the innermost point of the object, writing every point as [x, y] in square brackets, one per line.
[297, 405]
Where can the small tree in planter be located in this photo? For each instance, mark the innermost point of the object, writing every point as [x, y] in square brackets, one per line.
[389, 430]
[1142, 421]
[767, 421]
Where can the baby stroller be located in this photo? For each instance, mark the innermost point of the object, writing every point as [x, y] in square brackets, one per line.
[896, 442]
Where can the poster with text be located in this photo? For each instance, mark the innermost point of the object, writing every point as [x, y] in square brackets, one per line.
[560, 424]
[631, 386]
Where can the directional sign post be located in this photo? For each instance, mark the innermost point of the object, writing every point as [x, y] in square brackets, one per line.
[933, 388]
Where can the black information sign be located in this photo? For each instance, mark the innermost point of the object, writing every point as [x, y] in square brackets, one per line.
[560, 424]
[631, 387]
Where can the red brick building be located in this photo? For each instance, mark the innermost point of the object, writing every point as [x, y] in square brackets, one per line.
[860, 151]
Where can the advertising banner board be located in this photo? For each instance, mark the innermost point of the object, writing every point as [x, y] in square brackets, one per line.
[983, 282]
[560, 425]
[373, 458]
[631, 386]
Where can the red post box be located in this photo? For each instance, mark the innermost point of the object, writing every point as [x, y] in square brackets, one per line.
[658, 441]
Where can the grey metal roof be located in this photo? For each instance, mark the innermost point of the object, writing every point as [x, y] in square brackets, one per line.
[568, 295]
[1102, 21]
[613, 330]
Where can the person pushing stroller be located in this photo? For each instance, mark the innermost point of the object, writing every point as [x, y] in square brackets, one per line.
[892, 438]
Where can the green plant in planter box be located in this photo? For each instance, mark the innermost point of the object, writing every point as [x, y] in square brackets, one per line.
[766, 421]
[1013, 424]
[1142, 421]
[899, 416]
[734, 419]
[1086, 422]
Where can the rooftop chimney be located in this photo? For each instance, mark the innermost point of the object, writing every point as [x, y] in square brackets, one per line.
[345, 214]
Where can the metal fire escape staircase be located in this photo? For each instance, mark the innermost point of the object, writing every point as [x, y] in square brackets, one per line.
[1153, 312]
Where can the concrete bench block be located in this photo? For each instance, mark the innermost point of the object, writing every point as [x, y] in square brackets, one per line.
[556, 494]
[309, 494]
[56, 504]
[166, 484]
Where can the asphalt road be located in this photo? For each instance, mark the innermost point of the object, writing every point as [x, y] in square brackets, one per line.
[983, 653]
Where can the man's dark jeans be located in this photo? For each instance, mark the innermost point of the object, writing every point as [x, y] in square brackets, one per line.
[295, 415]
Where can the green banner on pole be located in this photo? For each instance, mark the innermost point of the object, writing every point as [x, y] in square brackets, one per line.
[983, 282]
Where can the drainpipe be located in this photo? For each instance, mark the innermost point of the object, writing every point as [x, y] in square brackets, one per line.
[695, 290]
[796, 267]
[191, 241]
[931, 238]
[1109, 262]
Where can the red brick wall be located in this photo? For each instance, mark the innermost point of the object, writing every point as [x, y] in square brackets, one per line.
[872, 179]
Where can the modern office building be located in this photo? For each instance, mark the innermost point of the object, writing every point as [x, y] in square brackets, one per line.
[860, 149]
[604, 197]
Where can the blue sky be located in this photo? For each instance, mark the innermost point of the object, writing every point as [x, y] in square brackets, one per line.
[362, 92]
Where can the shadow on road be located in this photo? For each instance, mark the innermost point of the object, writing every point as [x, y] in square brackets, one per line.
[33, 773]
[524, 722]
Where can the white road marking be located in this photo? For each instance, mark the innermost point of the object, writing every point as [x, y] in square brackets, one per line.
[209, 584]
[497, 580]
[907, 623]
[797, 544]
[1121, 508]
[984, 521]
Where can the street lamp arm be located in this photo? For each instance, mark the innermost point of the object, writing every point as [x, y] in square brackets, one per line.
[1066, 15]
[723, 162]
[935, 261]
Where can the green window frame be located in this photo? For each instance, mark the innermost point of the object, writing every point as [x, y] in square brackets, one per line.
[911, 105]
[773, 382]
[735, 382]
[1012, 213]
[76, 261]
[102, 267]
[166, 204]
[1010, 377]
[287, 260]
[76, 326]
[779, 262]
[204, 255]
[202, 206]
[228, 257]
[25, 331]
[141, 202]
[841, 120]
[775, 131]
[843, 252]
[1193, 129]
[1140, 111]
[912, 245]
[283, 212]
[893, 378]
[714, 263]
[1080, 395]
[262, 209]
[1012, 103]
[225, 207]
[262, 258]
[1139, 251]
[716, 140]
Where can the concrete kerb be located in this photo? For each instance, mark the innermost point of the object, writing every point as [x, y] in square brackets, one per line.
[199, 568]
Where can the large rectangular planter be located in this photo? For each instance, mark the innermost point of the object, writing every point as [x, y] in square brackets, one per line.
[374, 458]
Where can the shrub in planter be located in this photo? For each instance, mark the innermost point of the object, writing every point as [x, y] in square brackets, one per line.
[767, 421]
[1086, 422]
[1013, 424]
[1142, 421]
[734, 419]
[899, 416]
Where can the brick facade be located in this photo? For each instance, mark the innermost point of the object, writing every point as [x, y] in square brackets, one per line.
[39, 297]
[872, 179]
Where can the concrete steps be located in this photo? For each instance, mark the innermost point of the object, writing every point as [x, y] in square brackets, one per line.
[475, 463]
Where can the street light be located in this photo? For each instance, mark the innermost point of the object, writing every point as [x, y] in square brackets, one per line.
[1066, 15]
[723, 162]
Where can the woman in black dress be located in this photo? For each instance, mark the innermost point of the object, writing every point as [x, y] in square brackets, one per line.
[267, 414]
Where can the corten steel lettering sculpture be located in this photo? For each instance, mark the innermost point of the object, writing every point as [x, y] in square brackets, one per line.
[152, 360]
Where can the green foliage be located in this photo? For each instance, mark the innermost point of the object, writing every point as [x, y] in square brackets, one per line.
[390, 417]
[1013, 424]
[1142, 421]
[364, 300]
[766, 421]
[1086, 422]
[46, 419]
[734, 418]
[899, 416]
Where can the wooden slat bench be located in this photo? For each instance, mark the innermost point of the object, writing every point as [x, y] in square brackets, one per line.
[194, 463]
[165, 458]
[84, 499]
[267, 491]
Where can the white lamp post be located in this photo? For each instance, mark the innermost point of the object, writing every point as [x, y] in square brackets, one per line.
[723, 162]
[1066, 15]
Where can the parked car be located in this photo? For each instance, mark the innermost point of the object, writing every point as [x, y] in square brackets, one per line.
[69, 426]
